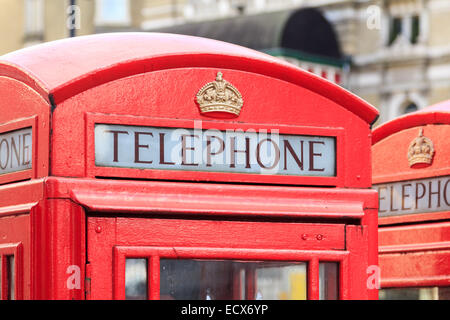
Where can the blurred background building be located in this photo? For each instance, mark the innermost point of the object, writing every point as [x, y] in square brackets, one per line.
[393, 53]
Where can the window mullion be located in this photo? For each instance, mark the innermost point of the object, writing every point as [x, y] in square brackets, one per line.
[154, 275]
[313, 279]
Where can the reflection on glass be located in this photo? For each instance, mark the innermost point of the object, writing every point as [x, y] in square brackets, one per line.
[433, 293]
[281, 282]
[11, 278]
[242, 281]
[136, 279]
[231, 280]
[328, 281]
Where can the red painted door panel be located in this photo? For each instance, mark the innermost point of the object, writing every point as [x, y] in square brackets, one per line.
[211, 244]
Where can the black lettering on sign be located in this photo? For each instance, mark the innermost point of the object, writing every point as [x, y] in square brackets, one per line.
[231, 151]
[15, 150]
[415, 196]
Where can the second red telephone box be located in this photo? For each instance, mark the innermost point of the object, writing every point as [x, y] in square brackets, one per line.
[411, 170]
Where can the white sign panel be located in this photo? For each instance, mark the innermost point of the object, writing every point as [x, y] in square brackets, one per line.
[415, 196]
[214, 150]
[16, 150]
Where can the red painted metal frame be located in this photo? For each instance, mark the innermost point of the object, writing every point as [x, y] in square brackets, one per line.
[155, 253]
[169, 198]
[414, 218]
[438, 281]
[59, 242]
[403, 248]
[18, 204]
[16, 125]
[426, 246]
[12, 249]
[404, 256]
[94, 195]
[17, 209]
[95, 171]
[30, 110]
[236, 239]
[57, 222]
[21, 197]
[415, 237]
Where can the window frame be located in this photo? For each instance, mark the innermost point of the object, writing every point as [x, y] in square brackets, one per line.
[26, 174]
[411, 26]
[312, 258]
[15, 250]
[393, 34]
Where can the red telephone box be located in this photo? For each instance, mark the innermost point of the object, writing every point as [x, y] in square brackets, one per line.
[411, 171]
[157, 166]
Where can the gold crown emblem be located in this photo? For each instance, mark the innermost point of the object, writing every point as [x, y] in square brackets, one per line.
[219, 96]
[420, 150]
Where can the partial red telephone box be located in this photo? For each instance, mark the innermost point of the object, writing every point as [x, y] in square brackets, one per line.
[158, 166]
[411, 172]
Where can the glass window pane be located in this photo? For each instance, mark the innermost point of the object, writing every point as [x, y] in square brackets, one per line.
[136, 279]
[444, 293]
[395, 29]
[432, 293]
[411, 107]
[231, 280]
[415, 29]
[281, 281]
[328, 281]
[11, 278]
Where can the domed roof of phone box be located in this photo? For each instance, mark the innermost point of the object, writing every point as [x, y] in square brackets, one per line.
[61, 69]
[436, 114]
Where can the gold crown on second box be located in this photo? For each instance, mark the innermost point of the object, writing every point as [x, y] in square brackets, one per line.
[420, 150]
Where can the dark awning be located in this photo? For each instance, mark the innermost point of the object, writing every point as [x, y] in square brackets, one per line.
[304, 30]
